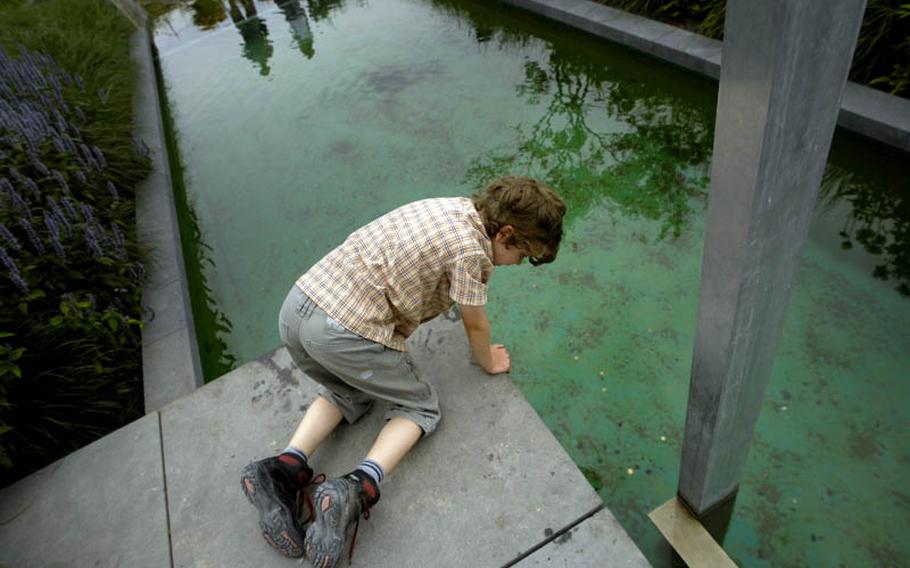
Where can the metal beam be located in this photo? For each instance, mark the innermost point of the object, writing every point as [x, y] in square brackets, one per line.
[784, 67]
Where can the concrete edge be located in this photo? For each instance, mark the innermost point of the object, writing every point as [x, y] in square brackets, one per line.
[171, 366]
[131, 9]
[871, 113]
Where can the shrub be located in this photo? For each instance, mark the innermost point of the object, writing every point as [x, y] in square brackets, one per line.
[70, 347]
[881, 59]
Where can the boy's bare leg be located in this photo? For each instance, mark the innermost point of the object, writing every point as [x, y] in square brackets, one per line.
[320, 419]
[339, 502]
[395, 439]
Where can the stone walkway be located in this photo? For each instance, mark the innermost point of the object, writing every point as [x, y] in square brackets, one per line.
[492, 487]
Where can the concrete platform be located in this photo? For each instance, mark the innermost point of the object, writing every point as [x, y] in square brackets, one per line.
[491, 487]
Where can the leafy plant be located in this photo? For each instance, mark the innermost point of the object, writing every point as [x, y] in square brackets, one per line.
[881, 59]
[70, 348]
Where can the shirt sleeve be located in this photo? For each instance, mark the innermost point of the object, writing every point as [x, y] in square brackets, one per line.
[467, 277]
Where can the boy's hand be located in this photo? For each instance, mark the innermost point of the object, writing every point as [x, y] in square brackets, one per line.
[493, 358]
[501, 363]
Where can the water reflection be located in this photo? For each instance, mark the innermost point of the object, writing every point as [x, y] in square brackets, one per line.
[879, 221]
[256, 44]
[650, 161]
[322, 9]
[656, 159]
[300, 26]
[208, 13]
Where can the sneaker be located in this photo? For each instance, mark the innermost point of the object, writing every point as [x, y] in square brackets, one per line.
[279, 496]
[339, 503]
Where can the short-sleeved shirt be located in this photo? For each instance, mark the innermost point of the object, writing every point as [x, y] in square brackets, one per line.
[403, 269]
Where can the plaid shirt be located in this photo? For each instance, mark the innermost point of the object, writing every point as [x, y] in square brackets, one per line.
[403, 269]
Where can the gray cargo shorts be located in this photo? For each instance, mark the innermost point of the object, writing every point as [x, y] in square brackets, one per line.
[352, 371]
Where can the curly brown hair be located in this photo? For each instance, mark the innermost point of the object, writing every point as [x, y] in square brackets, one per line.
[531, 207]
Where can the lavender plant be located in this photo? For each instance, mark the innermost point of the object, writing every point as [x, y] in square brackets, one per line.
[70, 269]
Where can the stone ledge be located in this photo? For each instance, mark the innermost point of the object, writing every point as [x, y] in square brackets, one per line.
[872, 113]
[171, 367]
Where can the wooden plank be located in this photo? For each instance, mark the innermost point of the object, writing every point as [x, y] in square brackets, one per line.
[688, 537]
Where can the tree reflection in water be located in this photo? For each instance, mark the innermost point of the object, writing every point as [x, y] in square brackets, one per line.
[657, 160]
[650, 160]
[879, 220]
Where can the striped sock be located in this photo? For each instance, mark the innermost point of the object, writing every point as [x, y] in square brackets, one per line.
[295, 452]
[373, 469]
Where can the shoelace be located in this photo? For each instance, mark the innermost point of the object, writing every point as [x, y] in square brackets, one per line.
[307, 499]
[366, 517]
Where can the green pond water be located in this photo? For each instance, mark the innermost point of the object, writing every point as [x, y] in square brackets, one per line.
[298, 123]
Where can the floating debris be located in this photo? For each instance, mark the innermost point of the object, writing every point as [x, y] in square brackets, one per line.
[576, 357]
[663, 438]
[604, 389]
[601, 373]
[783, 408]
[630, 471]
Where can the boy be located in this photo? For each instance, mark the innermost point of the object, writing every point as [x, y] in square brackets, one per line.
[345, 323]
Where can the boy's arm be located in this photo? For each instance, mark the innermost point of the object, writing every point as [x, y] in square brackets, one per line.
[492, 358]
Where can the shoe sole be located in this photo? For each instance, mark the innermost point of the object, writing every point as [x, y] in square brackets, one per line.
[326, 528]
[275, 520]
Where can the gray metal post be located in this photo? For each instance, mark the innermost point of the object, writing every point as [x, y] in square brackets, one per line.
[784, 68]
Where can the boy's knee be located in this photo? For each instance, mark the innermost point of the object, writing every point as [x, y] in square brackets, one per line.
[427, 419]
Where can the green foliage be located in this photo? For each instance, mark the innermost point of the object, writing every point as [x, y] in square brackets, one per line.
[652, 167]
[70, 346]
[879, 221]
[881, 60]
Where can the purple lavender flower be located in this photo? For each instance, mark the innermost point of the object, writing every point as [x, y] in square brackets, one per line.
[79, 83]
[99, 156]
[10, 238]
[14, 274]
[32, 235]
[102, 95]
[70, 145]
[70, 208]
[91, 240]
[118, 242]
[54, 230]
[60, 216]
[80, 114]
[19, 203]
[80, 175]
[86, 212]
[112, 189]
[58, 177]
[30, 185]
[42, 169]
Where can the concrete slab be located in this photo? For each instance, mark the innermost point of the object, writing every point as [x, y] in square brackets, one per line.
[599, 537]
[170, 361]
[103, 505]
[491, 483]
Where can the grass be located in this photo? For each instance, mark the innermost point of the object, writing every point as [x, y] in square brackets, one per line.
[70, 342]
